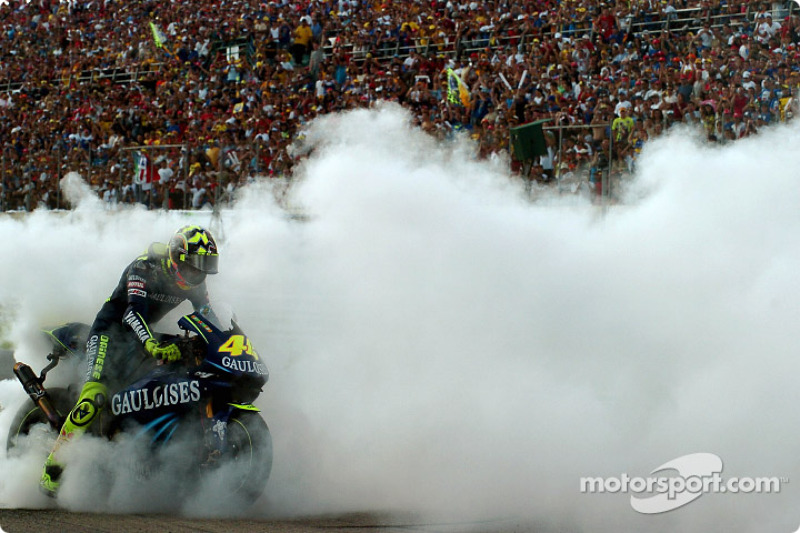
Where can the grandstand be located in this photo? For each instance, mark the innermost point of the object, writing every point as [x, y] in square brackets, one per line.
[177, 104]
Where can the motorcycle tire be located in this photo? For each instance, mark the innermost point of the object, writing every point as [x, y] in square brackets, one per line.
[250, 448]
[29, 415]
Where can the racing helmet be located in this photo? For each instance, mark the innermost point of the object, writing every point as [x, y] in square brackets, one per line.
[193, 254]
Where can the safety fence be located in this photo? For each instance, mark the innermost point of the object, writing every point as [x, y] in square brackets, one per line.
[580, 159]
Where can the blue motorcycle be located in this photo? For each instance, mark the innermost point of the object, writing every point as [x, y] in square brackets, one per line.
[203, 402]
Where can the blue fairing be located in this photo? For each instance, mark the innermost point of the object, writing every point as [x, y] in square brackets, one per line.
[71, 337]
[227, 351]
[156, 394]
[162, 428]
[230, 370]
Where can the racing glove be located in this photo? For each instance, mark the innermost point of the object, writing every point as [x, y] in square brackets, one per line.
[166, 351]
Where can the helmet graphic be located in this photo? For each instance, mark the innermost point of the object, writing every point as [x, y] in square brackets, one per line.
[192, 254]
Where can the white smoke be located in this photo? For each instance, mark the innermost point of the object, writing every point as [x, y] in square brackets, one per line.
[78, 193]
[438, 343]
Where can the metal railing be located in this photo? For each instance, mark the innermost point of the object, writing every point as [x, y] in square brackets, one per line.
[453, 46]
[119, 75]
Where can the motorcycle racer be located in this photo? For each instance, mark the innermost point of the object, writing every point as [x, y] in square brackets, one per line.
[120, 337]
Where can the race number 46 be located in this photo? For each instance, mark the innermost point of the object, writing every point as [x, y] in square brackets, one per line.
[237, 345]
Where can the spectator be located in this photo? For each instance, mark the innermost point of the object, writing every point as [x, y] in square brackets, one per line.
[165, 173]
[87, 82]
[302, 40]
[766, 28]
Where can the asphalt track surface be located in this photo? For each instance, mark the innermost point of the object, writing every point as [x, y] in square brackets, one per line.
[57, 521]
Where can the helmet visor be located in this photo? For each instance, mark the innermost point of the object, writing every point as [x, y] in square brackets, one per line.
[190, 275]
[206, 263]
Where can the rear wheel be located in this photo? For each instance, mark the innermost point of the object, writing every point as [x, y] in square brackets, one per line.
[250, 453]
[30, 418]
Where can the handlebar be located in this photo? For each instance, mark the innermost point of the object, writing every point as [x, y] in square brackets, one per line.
[191, 346]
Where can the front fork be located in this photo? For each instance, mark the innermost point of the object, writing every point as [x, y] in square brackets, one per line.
[38, 395]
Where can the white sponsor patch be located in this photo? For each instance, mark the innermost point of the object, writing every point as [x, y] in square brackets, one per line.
[136, 400]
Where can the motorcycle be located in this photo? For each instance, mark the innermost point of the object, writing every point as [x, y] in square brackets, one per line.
[203, 402]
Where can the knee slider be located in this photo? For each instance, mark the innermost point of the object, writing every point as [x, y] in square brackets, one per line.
[91, 401]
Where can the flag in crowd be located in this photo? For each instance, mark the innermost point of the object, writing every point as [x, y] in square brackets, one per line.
[143, 171]
[457, 92]
[158, 35]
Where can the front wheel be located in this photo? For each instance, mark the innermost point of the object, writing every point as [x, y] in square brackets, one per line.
[250, 453]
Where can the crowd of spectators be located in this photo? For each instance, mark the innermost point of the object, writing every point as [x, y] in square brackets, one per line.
[178, 103]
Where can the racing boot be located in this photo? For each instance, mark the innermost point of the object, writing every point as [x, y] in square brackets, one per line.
[51, 477]
[90, 403]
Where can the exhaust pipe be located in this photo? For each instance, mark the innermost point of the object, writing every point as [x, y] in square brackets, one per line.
[38, 395]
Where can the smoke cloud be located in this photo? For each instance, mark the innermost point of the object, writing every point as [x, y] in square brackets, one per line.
[441, 344]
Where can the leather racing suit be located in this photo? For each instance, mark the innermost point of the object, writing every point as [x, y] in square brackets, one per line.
[147, 290]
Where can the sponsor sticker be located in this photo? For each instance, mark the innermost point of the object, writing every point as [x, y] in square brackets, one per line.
[136, 400]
